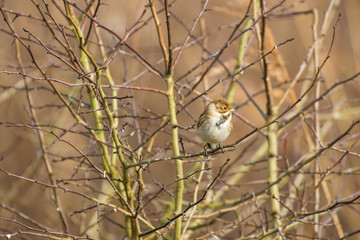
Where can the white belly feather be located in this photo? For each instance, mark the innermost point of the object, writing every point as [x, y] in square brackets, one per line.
[213, 131]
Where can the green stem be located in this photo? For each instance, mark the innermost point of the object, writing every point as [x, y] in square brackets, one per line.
[241, 52]
[176, 152]
[174, 127]
[123, 186]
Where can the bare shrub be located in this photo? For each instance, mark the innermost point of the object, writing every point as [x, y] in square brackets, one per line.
[99, 103]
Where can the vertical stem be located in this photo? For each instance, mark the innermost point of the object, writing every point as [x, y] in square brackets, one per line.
[239, 61]
[132, 225]
[316, 125]
[84, 60]
[114, 91]
[159, 33]
[176, 152]
[174, 128]
[203, 53]
[271, 112]
[319, 39]
[93, 230]
[317, 167]
[273, 169]
[168, 59]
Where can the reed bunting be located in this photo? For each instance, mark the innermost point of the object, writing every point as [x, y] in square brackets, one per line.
[214, 124]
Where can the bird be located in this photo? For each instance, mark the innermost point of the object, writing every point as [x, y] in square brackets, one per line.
[214, 124]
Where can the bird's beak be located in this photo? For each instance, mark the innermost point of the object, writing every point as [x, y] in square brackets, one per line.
[232, 110]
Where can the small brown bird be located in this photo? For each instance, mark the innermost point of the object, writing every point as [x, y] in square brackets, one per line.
[214, 124]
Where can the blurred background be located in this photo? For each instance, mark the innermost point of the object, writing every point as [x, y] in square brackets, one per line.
[140, 116]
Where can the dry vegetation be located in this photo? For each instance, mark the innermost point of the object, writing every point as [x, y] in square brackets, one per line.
[99, 101]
